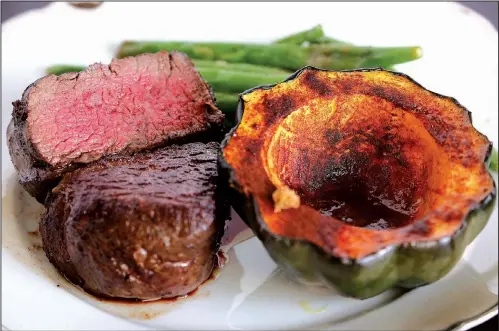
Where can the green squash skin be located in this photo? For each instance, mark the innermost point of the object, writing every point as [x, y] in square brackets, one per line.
[407, 265]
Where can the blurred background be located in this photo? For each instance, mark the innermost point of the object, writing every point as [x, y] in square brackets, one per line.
[11, 8]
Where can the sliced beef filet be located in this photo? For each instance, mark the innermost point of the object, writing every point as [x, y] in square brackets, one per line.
[131, 105]
[144, 226]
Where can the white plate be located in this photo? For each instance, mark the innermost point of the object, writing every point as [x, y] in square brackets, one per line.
[461, 52]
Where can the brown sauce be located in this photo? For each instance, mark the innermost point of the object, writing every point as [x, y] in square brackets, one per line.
[35, 233]
[357, 210]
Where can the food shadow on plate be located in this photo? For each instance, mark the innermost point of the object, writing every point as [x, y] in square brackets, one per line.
[302, 307]
[213, 299]
[433, 305]
[239, 288]
[224, 280]
[21, 215]
[248, 277]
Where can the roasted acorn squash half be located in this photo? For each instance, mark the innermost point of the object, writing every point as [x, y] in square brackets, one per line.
[361, 180]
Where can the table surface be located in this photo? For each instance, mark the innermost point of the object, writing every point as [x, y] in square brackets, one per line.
[487, 9]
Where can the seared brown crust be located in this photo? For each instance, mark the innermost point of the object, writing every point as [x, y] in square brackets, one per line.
[144, 227]
[53, 233]
[38, 176]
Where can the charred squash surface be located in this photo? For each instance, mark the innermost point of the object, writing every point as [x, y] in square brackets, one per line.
[361, 180]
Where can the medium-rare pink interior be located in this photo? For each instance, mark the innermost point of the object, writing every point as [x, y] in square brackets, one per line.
[131, 104]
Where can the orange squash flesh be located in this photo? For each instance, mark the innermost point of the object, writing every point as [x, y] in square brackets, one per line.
[376, 160]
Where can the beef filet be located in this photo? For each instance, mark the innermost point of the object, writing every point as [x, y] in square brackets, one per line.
[131, 105]
[144, 226]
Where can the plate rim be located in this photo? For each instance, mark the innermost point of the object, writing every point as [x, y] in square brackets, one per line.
[474, 321]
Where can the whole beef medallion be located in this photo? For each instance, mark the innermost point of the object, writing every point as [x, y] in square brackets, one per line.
[144, 227]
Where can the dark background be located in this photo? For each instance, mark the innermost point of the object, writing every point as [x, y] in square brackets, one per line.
[487, 9]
